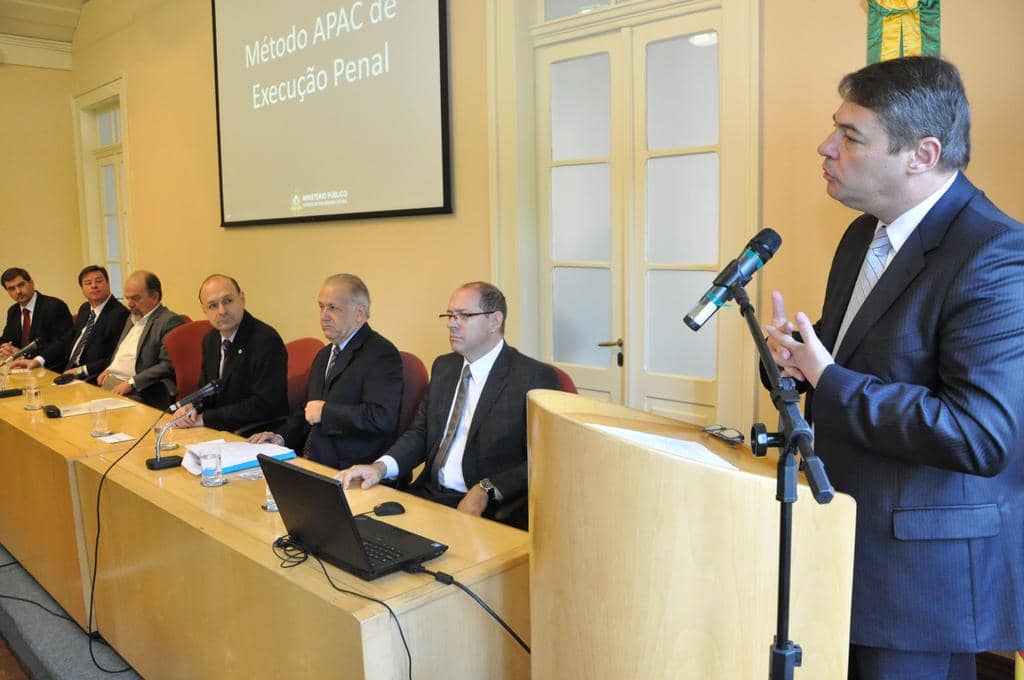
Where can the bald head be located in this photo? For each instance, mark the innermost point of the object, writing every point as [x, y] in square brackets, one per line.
[142, 292]
[223, 303]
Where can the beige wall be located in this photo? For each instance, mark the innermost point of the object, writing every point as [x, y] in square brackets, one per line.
[164, 51]
[807, 48]
[38, 199]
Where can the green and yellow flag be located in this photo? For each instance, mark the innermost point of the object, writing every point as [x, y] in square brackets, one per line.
[902, 28]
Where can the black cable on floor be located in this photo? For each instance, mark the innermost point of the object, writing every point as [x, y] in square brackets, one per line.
[43, 607]
[96, 553]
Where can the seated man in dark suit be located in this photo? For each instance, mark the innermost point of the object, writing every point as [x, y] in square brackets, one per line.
[246, 355]
[33, 316]
[355, 385]
[87, 347]
[141, 368]
[470, 428]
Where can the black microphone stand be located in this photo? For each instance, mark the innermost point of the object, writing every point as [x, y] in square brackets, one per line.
[796, 436]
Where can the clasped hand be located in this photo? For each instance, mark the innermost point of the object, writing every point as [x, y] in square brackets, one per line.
[805, 359]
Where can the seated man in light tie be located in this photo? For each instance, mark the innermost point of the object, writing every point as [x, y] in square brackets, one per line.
[470, 428]
[87, 347]
[32, 317]
[355, 384]
[246, 355]
[141, 368]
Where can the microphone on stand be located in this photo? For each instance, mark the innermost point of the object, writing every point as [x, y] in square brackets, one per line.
[159, 462]
[738, 272]
[5, 367]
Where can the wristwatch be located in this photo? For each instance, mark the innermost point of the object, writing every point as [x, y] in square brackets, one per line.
[131, 383]
[489, 489]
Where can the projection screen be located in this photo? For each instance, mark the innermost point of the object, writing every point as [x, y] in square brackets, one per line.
[331, 109]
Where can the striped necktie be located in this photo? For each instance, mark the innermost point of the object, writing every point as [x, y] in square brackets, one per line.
[870, 271]
[76, 354]
[453, 423]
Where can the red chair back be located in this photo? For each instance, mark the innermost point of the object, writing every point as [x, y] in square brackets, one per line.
[565, 382]
[414, 379]
[300, 360]
[185, 348]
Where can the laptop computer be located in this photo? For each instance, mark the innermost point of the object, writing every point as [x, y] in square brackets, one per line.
[318, 518]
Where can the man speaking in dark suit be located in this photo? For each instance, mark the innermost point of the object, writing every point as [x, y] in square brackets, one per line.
[141, 368]
[470, 428]
[33, 316]
[355, 384]
[87, 347]
[246, 355]
[914, 374]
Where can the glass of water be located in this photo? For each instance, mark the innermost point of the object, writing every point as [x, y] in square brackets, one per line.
[33, 398]
[210, 470]
[98, 413]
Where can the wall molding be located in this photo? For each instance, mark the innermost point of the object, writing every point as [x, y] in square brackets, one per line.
[21, 51]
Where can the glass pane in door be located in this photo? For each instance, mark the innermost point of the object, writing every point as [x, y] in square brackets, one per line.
[682, 209]
[581, 306]
[581, 108]
[672, 348]
[581, 226]
[682, 92]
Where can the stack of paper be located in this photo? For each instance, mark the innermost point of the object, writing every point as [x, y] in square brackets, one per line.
[234, 456]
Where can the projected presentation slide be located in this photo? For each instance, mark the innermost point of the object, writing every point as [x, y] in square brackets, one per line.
[331, 109]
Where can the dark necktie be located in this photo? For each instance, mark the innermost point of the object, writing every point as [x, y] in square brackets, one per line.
[453, 424]
[335, 351]
[76, 354]
[225, 347]
[330, 362]
[26, 326]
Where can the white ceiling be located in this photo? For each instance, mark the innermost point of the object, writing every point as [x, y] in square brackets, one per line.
[45, 19]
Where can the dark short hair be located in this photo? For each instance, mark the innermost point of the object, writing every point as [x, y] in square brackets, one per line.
[13, 273]
[491, 299]
[90, 269]
[238, 289]
[914, 98]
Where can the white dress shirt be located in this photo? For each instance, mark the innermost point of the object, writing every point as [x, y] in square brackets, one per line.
[123, 365]
[450, 476]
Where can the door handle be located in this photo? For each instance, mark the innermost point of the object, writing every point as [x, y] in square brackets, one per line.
[611, 343]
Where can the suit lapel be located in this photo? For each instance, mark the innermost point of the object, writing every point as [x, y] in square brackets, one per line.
[446, 379]
[234, 356]
[847, 268]
[346, 355]
[495, 385]
[907, 264]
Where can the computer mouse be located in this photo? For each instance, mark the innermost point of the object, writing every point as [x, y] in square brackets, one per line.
[63, 379]
[388, 508]
[51, 411]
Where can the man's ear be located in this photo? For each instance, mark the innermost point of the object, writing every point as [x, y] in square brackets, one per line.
[925, 156]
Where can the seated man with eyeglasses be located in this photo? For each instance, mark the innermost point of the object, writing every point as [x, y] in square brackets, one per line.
[470, 429]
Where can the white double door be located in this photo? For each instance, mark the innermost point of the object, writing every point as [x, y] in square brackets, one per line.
[647, 187]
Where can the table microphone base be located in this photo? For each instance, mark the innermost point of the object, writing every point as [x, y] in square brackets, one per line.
[11, 393]
[163, 462]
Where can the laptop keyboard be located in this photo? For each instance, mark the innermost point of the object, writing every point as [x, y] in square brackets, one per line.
[381, 553]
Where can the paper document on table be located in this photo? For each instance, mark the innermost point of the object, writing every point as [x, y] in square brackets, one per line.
[677, 447]
[116, 438]
[109, 403]
[234, 456]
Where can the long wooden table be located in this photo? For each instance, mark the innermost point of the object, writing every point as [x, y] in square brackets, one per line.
[188, 584]
[40, 521]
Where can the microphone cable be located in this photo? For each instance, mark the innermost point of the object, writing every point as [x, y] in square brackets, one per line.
[448, 579]
[292, 554]
[94, 635]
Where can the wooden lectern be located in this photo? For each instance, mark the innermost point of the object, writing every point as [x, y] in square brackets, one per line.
[646, 564]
